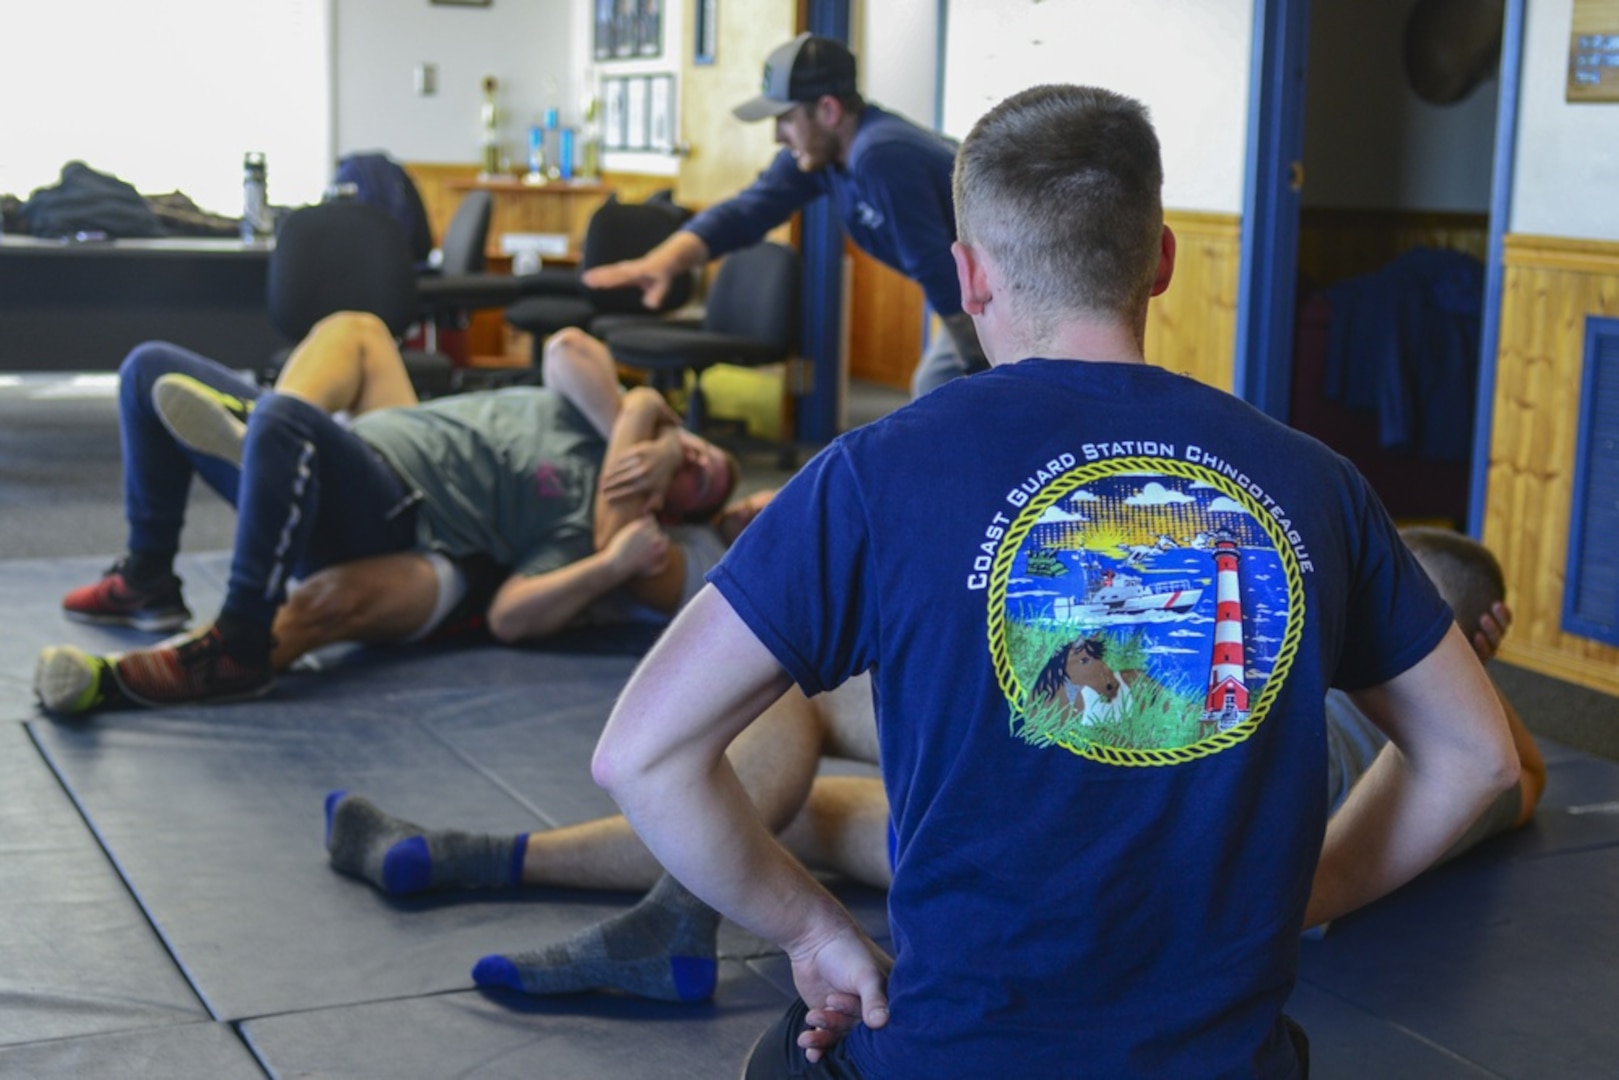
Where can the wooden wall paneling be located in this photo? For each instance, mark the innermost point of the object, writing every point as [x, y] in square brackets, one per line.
[433, 183]
[885, 312]
[1192, 327]
[1550, 287]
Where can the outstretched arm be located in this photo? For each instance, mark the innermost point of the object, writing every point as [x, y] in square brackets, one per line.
[655, 271]
[662, 757]
[1450, 753]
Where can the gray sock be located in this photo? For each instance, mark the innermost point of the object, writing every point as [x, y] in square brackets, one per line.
[663, 948]
[400, 857]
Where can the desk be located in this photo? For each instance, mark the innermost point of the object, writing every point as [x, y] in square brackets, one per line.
[561, 207]
[68, 306]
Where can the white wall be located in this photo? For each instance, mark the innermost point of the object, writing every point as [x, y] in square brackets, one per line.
[1187, 60]
[1567, 158]
[166, 103]
[1369, 141]
[528, 45]
[896, 44]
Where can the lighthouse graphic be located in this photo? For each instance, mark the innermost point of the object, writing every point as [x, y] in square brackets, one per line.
[1226, 705]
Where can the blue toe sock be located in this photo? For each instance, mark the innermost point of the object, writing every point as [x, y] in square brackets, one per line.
[332, 799]
[408, 866]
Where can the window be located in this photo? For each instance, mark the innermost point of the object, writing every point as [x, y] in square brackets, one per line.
[1591, 594]
[169, 96]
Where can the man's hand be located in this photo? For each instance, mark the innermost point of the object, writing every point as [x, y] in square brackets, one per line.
[844, 981]
[650, 277]
[653, 272]
[1492, 627]
[639, 549]
[643, 473]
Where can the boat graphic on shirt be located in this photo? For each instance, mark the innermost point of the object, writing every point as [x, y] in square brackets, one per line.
[1143, 611]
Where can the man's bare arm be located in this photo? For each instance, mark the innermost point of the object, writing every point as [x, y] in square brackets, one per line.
[1450, 753]
[662, 757]
[536, 606]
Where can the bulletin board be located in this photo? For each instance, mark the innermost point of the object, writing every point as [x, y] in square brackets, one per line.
[1593, 51]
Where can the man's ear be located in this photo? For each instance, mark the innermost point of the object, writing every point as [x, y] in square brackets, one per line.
[1166, 261]
[972, 277]
[828, 111]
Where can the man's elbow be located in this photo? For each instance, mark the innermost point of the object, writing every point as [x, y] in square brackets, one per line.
[510, 624]
[1499, 769]
[608, 769]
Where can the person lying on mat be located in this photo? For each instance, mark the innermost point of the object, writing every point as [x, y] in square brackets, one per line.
[666, 946]
[492, 493]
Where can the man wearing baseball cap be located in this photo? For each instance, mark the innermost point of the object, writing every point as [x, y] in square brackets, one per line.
[888, 178]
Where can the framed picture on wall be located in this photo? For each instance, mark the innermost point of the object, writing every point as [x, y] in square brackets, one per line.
[649, 28]
[625, 14]
[613, 113]
[604, 28]
[660, 114]
[708, 31]
[635, 112]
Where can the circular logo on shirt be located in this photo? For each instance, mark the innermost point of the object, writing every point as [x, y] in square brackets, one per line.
[1144, 611]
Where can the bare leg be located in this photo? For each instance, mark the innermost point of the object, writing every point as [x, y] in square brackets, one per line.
[850, 720]
[348, 363]
[844, 828]
[775, 758]
[384, 598]
[579, 367]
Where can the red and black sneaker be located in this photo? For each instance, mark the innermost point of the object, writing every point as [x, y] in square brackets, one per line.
[113, 601]
[194, 668]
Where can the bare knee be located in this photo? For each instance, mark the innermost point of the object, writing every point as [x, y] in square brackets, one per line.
[565, 347]
[321, 610]
[350, 325]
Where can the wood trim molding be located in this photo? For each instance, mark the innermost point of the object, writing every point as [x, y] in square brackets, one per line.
[1560, 253]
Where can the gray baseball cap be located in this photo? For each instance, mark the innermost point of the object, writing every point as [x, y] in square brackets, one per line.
[804, 69]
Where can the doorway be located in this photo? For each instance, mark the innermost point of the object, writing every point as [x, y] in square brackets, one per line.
[1368, 303]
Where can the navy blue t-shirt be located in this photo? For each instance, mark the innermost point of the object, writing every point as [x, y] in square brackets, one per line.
[1101, 604]
[893, 198]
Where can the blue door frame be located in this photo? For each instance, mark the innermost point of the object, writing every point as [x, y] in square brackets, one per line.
[816, 414]
[1268, 268]
[1269, 258]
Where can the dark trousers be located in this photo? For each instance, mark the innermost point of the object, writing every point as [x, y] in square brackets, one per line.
[309, 493]
[776, 1056]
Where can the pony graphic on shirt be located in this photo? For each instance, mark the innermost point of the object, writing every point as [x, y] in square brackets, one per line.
[1143, 611]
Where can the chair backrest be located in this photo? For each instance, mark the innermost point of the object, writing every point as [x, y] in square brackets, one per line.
[619, 231]
[343, 255]
[755, 296]
[380, 180]
[467, 235]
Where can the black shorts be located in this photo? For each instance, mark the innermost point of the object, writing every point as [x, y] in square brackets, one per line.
[777, 1055]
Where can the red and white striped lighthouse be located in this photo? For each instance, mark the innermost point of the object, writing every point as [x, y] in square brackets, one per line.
[1227, 703]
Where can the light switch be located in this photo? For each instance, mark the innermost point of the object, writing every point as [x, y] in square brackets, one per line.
[426, 79]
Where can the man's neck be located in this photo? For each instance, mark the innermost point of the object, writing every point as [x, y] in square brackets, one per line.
[847, 128]
[1101, 342]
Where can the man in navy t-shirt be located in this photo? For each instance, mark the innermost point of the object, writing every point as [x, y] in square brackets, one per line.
[1101, 605]
[888, 179]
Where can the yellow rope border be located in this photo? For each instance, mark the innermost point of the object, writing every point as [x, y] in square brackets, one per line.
[1012, 542]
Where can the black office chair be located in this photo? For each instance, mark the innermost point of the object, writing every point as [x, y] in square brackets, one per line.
[750, 319]
[617, 231]
[459, 285]
[347, 255]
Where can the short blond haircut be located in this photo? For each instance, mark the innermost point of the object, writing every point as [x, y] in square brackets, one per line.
[1062, 187]
[1464, 571]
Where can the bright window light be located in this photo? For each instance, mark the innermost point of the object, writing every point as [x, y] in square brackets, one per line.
[169, 97]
